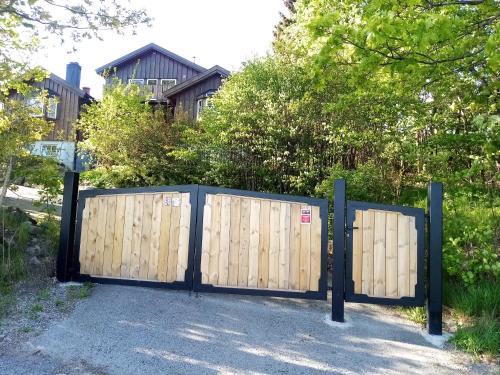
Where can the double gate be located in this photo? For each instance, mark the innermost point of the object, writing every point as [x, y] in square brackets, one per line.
[203, 239]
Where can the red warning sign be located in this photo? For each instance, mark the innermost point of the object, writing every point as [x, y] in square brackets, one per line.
[305, 215]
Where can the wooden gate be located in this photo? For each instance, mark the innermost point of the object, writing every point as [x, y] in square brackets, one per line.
[257, 243]
[385, 254]
[132, 235]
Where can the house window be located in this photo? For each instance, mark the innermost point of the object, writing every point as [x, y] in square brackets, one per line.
[50, 150]
[52, 108]
[36, 104]
[201, 104]
[167, 83]
[134, 81]
[152, 82]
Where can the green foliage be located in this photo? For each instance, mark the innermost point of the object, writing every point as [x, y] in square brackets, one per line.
[134, 143]
[481, 338]
[79, 291]
[415, 314]
[480, 299]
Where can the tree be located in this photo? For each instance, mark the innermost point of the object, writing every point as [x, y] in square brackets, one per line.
[134, 143]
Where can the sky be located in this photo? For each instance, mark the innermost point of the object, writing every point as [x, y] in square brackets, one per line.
[222, 32]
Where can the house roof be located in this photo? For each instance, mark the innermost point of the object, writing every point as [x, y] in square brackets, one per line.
[66, 84]
[216, 69]
[145, 49]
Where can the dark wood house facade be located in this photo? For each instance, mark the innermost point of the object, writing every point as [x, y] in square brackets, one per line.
[167, 78]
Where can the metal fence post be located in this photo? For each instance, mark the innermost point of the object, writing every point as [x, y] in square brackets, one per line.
[339, 202]
[434, 266]
[67, 231]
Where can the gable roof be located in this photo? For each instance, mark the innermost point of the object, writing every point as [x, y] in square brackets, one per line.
[216, 69]
[66, 84]
[148, 48]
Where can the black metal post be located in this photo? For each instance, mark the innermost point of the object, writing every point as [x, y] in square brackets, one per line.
[434, 266]
[339, 202]
[67, 232]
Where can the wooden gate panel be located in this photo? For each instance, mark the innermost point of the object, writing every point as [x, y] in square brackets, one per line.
[385, 252]
[137, 236]
[258, 243]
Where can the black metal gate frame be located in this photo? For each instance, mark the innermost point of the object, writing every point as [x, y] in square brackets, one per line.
[187, 284]
[419, 215]
[323, 206]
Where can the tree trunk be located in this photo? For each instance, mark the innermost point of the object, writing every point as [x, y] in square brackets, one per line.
[6, 180]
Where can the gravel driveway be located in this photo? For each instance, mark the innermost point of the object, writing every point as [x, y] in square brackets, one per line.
[131, 330]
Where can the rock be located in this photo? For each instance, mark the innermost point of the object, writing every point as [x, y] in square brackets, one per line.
[34, 261]
[33, 250]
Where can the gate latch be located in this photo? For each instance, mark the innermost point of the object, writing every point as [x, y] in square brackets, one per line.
[350, 228]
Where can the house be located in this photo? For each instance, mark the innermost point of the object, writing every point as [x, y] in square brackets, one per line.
[65, 100]
[167, 78]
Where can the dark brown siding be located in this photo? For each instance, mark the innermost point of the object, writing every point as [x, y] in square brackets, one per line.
[186, 100]
[154, 65]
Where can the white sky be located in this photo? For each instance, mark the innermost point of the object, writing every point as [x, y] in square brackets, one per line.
[223, 32]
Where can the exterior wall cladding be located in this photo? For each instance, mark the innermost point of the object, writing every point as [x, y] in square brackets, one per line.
[187, 100]
[152, 65]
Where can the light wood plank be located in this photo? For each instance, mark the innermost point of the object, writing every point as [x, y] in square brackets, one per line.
[367, 268]
[128, 228]
[147, 215]
[166, 213]
[403, 255]
[173, 247]
[234, 244]
[135, 255]
[185, 225]
[274, 245]
[118, 236]
[265, 208]
[284, 256]
[413, 256]
[213, 264]
[225, 236]
[315, 249]
[253, 250]
[305, 254]
[101, 235]
[294, 262]
[83, 240]
[357, 250]
[154, 250]
[244, 243]
[110, 234]
[205, 245]
[391, 254]
[379, 254]
[93, 204]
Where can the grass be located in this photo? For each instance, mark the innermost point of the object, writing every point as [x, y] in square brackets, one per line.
[26, 329]
[36, 308]
[43, 294]
[482, 337]
[415, 314]
[80, 291]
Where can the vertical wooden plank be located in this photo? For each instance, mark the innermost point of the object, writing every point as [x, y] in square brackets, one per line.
[166, 212]
[173, 246]
[154, 250]
[244, 242]
[413, 256]
[294, 262]
[315, 249]
[253, 250]
[357, 250]
[147, 214]
[101, 234]
[284, 256]
[391, 254]
[110, 234]
[118, 236]
[135, 254]
[182, 260]
[234, 243]
[305, 255]
[367, 269]
[274, 245]
[225, 227]
[265, 208]
[379, 254]
[128, 228]
[403, 255]
[213, 264]
[205, 245]
[82, 256]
